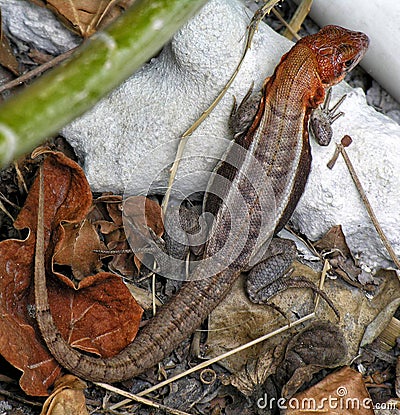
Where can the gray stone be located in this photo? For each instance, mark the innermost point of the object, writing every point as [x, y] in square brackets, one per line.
[36, 26]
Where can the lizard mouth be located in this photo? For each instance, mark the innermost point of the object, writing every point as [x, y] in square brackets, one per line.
[363, 42]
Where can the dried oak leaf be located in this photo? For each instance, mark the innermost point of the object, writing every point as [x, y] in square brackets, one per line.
[68, 198]
[67, 398]
[85, 17]
[334, 239]
[340, 393]
[320, 345]
[7, 57]
[141, 214]
[77, 248]
[106, 214]
[99, 316]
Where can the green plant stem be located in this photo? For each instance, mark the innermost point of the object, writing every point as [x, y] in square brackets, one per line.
[98, 66]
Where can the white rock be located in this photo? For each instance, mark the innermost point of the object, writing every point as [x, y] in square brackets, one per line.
[130, 138]
[331, 198]
[36, 26]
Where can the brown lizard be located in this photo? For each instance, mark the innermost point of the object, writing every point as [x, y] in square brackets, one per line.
[259, 183]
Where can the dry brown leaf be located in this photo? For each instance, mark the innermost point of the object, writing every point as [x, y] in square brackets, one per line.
[334, 239]
[99, 316]
[143, 297]
[138, 212]
[76, 249]
[106, 214]
[67, 398]
[68, 198]
[320, 345]
[123, 264]
[143, 213]
[383, 318]
[256, 373]
[106, 227]
[139, 215]
[114, 209]
[236, 320]
[341, 393]
[333, 245]
[7, 58]
[85, 17]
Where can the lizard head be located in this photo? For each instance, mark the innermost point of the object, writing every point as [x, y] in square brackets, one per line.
[337, 50]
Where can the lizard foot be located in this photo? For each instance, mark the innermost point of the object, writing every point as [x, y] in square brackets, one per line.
[264, 294]
[322, 118]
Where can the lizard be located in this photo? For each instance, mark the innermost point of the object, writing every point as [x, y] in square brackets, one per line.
[259, 180]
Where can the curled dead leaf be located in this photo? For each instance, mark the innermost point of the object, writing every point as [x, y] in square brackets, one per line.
[143, 213]
[76, 249]
[77, 311]
[7, 57]
[67, 398]
[140, 215]
[320, 345]
[340, 393]
[333, 240]
[100, 316]
[106, 215]
[85, 17]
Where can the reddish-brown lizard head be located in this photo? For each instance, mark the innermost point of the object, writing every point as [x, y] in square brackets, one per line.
[337, 51]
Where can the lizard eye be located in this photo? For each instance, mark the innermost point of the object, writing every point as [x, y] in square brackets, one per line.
[349, 63]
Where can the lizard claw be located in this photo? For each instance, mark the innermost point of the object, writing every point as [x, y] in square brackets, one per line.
[262, 293]
[322, 118]
[301, 282]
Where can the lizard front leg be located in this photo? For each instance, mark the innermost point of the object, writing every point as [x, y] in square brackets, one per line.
[322, 118]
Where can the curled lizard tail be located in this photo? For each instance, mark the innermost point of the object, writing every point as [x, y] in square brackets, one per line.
[173, 324]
